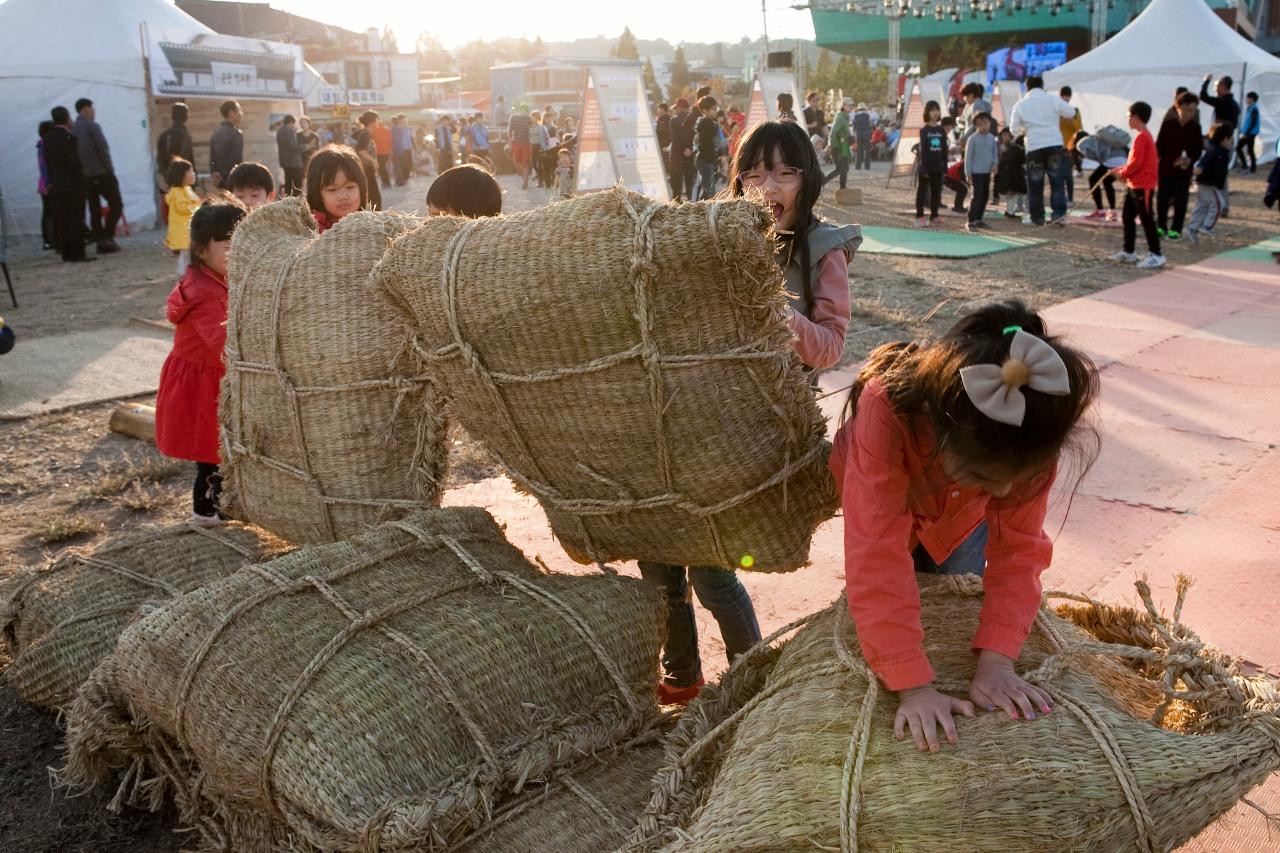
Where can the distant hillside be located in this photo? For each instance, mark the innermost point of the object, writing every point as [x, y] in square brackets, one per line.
[734, 53]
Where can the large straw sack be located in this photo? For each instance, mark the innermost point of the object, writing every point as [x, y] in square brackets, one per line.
[592, 807]
[628, 363]
[324, 428]
[61, 619]
[813, 764]
[380, 693]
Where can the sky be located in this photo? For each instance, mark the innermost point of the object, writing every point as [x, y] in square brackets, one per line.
[674, 20]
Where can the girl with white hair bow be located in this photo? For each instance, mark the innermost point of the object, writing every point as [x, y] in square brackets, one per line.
[946, 466]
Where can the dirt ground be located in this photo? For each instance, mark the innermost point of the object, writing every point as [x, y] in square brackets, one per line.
[66, 481]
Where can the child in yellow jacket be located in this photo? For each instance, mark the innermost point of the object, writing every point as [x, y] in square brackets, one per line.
[182, 202]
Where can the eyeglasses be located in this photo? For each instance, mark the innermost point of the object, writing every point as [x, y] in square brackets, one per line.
[783, 176]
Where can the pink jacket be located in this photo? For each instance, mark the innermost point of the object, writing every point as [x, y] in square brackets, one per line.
[819, 341]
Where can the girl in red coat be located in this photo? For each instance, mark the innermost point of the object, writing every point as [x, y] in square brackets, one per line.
[946, 467]
[187, 405]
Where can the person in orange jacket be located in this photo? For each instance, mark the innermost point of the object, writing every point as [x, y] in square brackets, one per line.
[946, 467]
[384, 145]
[1141, 175]
[187, 404]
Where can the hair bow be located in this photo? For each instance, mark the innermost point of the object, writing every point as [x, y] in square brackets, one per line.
[996, 389]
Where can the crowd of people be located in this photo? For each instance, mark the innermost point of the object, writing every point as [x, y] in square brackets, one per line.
[1045, 141]
[699, 138]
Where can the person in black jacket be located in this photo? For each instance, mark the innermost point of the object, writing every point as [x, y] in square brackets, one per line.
[174, 142]
[1178, 146]
[662, 127]
[226, 146]
[1226, 110]
[682, 127]
[66, 185]
[1211, 182]
[706, 147]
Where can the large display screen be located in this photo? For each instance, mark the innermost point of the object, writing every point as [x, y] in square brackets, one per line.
[1019, 63]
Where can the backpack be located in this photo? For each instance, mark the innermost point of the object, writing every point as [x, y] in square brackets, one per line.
[1114, 136]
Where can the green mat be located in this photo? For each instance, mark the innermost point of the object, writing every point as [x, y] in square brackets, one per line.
[929, 243]
[1259, 252]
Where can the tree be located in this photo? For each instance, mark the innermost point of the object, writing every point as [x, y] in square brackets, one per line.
[626, 47]
[432, 57]
[389, 40]
[680, 77]
[959, 52]
[651, 86]
[475, 58]
[538, 48]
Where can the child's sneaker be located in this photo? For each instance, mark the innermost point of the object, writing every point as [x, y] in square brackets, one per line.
[972, 226]
[1190, 234]
[1162, 232]
[206, 520]
[670, 694]
[982, 223]
[1151, 262]
[1008, 215]
[1172, 235]
[922, 222]
[1125, 257]
[1097, 214]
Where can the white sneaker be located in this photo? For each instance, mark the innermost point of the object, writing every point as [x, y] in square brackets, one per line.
[206, 520]
[1151, 262]
[1125, 257]
[922, 222]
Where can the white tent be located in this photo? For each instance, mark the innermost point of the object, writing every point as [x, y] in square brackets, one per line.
[1172, 43]
[53, 52]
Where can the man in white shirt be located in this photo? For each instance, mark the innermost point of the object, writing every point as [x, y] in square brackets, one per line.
[1038, 115]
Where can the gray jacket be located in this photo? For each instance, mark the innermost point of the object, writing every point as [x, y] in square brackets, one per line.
[226, 150]
[981, 154]
[823, 237]
[95, 153]
[287, 147]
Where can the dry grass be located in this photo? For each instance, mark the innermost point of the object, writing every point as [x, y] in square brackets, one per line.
[65, 528]
[141, 497]
[134, 475]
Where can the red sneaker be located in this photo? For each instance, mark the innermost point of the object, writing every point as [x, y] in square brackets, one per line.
[670, 694]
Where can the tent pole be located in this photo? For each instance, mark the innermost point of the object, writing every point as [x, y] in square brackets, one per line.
[156, 196]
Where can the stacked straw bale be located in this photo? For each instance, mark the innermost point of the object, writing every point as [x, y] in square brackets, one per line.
[324, 428]
[810, 761]
[61, 619]
[641, 387]
[386, 692]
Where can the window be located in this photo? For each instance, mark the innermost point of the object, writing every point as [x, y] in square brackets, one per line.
[332, 78]
[384, 75]
[358, 76]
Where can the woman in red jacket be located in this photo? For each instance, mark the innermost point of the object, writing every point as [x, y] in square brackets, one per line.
[946, 467]
[187, 405]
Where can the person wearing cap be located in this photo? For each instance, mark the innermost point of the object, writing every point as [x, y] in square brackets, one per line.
[862, 127]
[841, 134]
[682, 169]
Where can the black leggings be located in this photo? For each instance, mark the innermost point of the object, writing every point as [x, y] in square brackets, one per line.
[1244, 151]
[1137, 206]
[207, 489]
[1108, 186]
[929, 187]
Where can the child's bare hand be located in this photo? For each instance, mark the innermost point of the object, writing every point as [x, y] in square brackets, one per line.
[923, 709]
[996, 685]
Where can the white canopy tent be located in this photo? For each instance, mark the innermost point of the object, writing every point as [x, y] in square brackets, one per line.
[53, 52]
[1172, 43]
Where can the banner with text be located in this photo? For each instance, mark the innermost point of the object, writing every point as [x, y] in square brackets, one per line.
[617, 141]
[215, 66]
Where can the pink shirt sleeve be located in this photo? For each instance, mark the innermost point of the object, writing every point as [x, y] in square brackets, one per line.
[1018, 551]
[820, 341]
[884, 600]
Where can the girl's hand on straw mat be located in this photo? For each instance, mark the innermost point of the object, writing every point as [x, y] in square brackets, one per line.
[923, 709]
[996, 685]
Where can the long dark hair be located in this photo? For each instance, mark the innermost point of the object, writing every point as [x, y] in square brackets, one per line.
[325, 165]
[922, 381]
[764, 142]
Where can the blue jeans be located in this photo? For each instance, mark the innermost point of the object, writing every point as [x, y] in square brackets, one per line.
[969, 558]
[1054, 163]
[720, 592]
[706, 180]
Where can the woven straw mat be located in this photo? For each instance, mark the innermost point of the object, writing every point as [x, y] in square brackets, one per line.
[394, 686]
[629, 364]
[61, 619]
[813, 764]
[324, 428]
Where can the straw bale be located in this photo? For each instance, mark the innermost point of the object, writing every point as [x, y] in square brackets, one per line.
[591, 808]
[638, 380]
[61, 619]
[324, 428]
[381, 693]
[811, 761]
